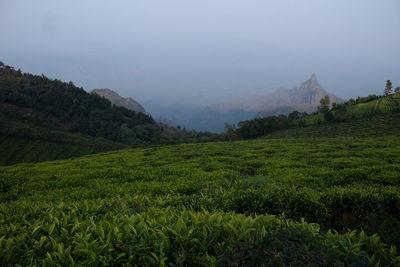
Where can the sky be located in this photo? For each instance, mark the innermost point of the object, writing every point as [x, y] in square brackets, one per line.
[199, 52]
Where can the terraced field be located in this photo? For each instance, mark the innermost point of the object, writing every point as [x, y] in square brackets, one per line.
[378, 125]
[281, 201]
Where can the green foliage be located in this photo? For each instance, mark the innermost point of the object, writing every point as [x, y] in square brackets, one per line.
[371, 116]
[208, 204]
[364, 108]
[25, 138]
[294, 115]
[381, 124]
[85, 113]
[328, 116]
[261, 126]
[227, 203]
[63, 105]
[45, 119]
[388, 88]
[17, 150]
[324, 104]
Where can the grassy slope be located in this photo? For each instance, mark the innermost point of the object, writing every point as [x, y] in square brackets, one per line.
[174, 204]
[380, 117]
[378, 106]
[25, 138]
[381, 105]
[16, 150]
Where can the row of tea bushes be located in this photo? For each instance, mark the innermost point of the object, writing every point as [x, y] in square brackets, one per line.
[83, 233]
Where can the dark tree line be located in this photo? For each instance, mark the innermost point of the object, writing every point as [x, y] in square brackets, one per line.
[261, 126]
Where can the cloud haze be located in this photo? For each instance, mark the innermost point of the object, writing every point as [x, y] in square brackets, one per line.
[185, 52]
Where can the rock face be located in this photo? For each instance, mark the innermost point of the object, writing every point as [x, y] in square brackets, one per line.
[311, 92]
[118, 100]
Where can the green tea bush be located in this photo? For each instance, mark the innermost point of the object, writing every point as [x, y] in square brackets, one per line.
[228, 203]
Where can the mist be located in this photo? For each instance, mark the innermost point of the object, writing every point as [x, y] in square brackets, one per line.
[167, 54]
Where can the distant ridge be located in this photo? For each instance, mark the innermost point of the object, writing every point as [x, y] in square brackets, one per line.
[118, 100]
[304, 98]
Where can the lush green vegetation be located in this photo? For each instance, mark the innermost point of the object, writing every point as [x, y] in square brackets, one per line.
[15, 150]
[27, 138]
[203, 204]
[43, 119]
[74, 108]
[329, 196]
[377, 125]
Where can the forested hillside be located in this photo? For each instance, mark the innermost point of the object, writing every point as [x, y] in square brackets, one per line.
[73, 108]
[43, 119]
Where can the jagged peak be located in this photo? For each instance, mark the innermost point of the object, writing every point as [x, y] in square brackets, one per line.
[313, 77]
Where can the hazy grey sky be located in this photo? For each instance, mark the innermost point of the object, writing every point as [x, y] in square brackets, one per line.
[204, 51]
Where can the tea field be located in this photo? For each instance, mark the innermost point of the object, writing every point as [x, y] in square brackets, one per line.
[382, 106]
[285, 201]
[378, 125]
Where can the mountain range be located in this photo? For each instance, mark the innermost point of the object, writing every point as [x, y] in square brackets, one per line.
[304, 98]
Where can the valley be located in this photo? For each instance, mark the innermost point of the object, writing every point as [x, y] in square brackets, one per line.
[211, 118]
[321, 194]
[87, 182]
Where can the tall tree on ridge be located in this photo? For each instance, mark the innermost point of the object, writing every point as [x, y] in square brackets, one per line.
[324, 107]
[388, 88]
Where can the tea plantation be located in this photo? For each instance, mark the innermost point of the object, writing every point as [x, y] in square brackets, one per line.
[305, 201]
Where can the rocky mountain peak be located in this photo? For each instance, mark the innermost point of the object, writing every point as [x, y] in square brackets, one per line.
[313, 78]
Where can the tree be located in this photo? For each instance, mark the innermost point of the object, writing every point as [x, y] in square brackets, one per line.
[229, 130]
[294, 115]
[324, 104]
[351, 102]
[388, 88]
[328, 116]
[397, 90]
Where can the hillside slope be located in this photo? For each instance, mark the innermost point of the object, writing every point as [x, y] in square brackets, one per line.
[44, 119]
[27, 138]
[376, 125]
[72, 108]
[367, 116]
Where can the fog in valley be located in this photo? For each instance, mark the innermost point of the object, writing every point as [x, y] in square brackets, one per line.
[177, 57]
